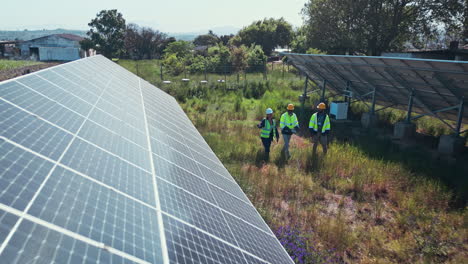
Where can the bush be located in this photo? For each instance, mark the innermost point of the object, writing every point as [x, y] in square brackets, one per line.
[256, 59]
[173, 65]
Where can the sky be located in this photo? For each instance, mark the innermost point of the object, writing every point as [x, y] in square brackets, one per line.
[175, 16]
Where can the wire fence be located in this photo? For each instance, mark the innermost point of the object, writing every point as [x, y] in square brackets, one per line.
[227, 73]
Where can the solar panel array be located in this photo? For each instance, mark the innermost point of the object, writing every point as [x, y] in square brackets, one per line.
[98, 165]
[436, 84]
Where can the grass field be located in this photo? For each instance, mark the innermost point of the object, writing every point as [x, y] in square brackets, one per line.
[13, 64]
[365, 202]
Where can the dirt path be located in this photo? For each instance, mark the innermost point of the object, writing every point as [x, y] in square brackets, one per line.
[8, 74]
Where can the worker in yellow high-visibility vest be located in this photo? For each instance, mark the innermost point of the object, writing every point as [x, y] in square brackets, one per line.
[268, 132]
[319, 127]
[289, 125]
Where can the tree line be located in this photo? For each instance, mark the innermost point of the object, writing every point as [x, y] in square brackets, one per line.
[367, 27]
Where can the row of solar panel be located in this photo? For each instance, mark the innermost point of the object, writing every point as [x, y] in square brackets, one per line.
[436, 85]
[99, 213]
[112, 151]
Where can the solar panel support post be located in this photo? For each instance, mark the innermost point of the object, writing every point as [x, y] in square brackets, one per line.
[347, 89]
[373, 102]
[322, 98]
[303, 97]
[410, 107]
[460, 116]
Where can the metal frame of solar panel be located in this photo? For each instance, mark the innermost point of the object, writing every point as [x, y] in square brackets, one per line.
[98, 165]
[428, 87]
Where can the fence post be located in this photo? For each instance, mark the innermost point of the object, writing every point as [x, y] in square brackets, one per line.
[161, 72]
[205, 71]
[283, 70]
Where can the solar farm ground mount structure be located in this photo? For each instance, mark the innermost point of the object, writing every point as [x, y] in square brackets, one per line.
[98, 165]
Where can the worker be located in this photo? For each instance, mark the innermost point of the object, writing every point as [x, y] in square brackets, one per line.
[319, 127]
[268, 132]
[289, 126]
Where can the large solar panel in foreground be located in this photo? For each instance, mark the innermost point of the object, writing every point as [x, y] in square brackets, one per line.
[97, 165]
[435, 84]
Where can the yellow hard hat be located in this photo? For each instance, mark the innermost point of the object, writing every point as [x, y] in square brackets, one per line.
[321, 106]
[290, 107]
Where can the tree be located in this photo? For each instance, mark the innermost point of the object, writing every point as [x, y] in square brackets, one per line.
[219, 57]
[107, 33]
[239, 58]
[180, 48]
[299, 42]
[256, 58]
[209, 39]
[465, 23]
[144, 43]
[225, 39]
[268, 33]
[86, 44]
[374, 26]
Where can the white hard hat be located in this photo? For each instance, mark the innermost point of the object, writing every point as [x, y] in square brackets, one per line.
[269, 111]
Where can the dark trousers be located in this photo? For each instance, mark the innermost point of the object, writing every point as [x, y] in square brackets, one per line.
[266, 144]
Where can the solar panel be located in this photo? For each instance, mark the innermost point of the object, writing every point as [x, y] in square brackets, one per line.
[98, 165]
[436, 85]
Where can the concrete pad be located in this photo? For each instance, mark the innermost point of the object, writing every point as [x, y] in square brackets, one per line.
[451, 145]
[404, 130]
[369, 120]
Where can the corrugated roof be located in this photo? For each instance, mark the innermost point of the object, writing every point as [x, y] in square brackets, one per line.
[65, 36]
[70, 37]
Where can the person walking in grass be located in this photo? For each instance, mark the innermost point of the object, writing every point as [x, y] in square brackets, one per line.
[319, 127]
[289, 125]
[268, 132]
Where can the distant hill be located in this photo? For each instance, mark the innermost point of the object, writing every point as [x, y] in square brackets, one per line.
[32, 34]
[189, 36]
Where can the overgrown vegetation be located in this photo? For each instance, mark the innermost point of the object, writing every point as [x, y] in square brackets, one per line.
[367, 201]
[13, 64]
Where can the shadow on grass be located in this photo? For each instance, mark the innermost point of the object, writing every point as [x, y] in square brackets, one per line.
[418, 160]
[313, 162]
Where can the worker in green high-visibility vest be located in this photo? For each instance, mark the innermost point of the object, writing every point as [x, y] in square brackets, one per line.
[268, 132]
[319, 127]
[289, 125]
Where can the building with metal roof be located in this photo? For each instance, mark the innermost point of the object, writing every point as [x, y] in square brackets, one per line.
[57, 47]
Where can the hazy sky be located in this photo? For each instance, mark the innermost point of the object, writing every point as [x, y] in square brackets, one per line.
[167, 16]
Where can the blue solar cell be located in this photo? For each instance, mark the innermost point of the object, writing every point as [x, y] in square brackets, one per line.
[222, 182]
[189, 208]
[186, 244]
[32, 132]
[87, 90]
[182, 178]
[110, 170]
[21, 174]
[7, 221]
[249, 239]
[56, 94]
[116, 144]
[41, 106]
[91, 210]
[38, 244]
[119, 126]
[238, 208]
[178, 158]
